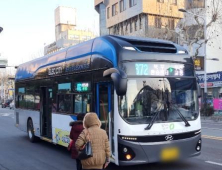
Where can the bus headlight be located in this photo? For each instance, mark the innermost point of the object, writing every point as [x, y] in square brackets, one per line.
[125, 153]
[128, 157]
[125, 150]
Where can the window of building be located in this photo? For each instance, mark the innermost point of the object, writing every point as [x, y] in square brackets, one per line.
[126, 25]
[158, 23]
[140, 22]
[135, 25]
[108, 12]
[82, 103]
[131, 28]
[161, 1]
[84, 38]
[76, 36]
[171, 24]
[132, 3]
[195, 4]
[174, 2]
[122, 5]
[114, 9]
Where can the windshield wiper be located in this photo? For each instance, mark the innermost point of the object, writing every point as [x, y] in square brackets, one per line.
[152, 121]
[182, 117]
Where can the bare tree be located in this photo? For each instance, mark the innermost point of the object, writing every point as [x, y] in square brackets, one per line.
[37, 54]
[191, 29]
[6, 83]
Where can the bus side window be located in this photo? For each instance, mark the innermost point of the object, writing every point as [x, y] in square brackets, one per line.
[78, 104]
[37, 102]
[82, 103]
[21, 101]
[64, 103]
[86, 103]
[21, 97]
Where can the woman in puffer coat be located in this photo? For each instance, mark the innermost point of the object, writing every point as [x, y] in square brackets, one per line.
[99, 141]
[77, 128]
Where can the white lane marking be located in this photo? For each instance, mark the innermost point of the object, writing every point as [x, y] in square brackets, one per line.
[215, 163]
[211, 128]
[7, 114]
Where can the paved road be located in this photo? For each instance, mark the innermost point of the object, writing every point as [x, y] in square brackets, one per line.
[17, 153]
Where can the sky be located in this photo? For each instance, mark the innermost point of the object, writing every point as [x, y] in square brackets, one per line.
[29, 24]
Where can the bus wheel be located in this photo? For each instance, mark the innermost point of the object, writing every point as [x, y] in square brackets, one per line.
[30, 131]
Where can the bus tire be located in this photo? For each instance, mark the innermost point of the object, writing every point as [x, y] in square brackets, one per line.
[30, 130]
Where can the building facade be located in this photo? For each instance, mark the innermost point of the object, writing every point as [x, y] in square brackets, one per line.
[69, 38]
[144, 18]
[100, 7]
[66, 33]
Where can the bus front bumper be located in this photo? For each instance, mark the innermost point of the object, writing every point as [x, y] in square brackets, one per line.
[149, 152]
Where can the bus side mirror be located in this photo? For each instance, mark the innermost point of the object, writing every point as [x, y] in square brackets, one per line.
[198, 91]
[119, 79]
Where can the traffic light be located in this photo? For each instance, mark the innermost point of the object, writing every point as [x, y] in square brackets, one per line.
[2, 66]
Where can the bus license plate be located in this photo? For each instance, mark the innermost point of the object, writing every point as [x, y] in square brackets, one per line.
[170, 154]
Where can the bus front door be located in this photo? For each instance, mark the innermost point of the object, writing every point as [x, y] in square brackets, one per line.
[46, 112]
[104, 105]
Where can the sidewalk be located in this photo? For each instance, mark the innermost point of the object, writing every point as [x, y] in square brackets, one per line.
[215, 117]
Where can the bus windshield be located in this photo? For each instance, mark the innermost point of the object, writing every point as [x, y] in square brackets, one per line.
[146, 97]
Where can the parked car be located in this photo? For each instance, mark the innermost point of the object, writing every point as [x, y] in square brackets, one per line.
[6, 103]
[12, 105]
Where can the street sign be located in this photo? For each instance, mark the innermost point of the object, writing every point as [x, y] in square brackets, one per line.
[199, 63]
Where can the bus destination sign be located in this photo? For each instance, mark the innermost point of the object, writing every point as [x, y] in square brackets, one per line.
[157, 69]
[82, 86]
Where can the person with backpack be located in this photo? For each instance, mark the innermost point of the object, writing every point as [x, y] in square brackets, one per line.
[77, 128]
[99, 143]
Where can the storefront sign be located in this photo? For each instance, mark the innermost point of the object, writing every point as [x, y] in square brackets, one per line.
[213, 79]
[210, 77]
[208, 85]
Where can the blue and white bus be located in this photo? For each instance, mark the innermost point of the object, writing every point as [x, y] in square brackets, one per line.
[144, 91]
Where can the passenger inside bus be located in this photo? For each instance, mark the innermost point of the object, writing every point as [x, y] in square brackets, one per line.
[61, 105]
[81, 103]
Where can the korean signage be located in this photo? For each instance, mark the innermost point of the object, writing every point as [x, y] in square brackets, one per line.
[199, 63]
[213, 79]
